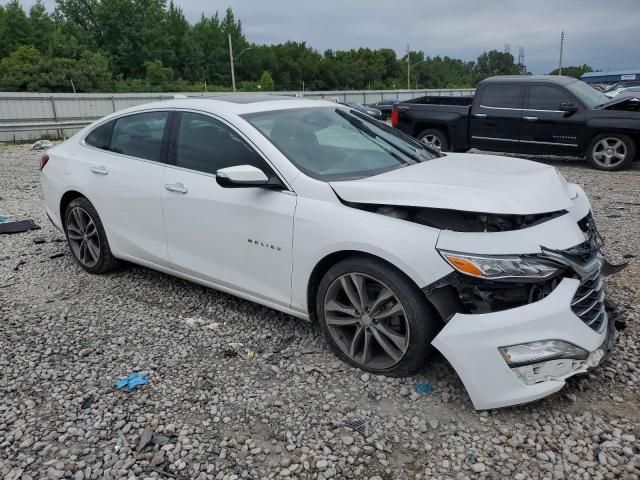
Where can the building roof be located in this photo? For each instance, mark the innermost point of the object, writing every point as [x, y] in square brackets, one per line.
[530, 79]
[611, 72]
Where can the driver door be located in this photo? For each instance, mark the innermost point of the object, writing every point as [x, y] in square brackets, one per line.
[236, 238]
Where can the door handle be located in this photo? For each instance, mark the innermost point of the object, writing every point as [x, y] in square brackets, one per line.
[100, 170]
[176, 187]
[480, 115]
[531, 119]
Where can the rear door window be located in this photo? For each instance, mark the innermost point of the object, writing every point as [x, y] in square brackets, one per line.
[140, 135]
[502, 95]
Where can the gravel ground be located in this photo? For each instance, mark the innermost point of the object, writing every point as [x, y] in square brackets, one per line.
[213, 411]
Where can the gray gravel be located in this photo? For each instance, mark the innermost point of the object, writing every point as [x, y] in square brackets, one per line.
[212, 411]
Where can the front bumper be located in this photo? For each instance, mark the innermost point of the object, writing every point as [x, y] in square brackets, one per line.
[470, 343]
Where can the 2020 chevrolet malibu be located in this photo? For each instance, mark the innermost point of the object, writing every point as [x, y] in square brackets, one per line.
[324, 213]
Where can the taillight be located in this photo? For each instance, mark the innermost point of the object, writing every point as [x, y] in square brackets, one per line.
[394, 117]
[43, 161]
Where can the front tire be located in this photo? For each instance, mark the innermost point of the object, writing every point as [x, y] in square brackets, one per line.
[434, 139]
[86, 237]
[611, 152]
[375, 318]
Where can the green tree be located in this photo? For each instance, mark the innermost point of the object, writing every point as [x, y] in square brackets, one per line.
[14, 28]
[266, 82]
[19, 70]
[494, 63]
[573, 71]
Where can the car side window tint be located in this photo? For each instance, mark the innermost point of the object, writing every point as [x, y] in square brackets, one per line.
[545, 97]
[139, 135]
[206, 145]
[100, 137]
[502, 95]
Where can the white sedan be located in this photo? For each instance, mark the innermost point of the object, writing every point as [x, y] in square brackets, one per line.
[319, 211]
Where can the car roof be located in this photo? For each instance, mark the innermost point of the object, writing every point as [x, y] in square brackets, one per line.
[238, 104]
[530, 79]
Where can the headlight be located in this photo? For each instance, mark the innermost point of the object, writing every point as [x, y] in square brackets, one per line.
[501, 267]
[536, 352]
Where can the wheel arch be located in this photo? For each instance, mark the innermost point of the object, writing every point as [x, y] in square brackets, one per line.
[441, 126]
[65, 200]
[331, 259]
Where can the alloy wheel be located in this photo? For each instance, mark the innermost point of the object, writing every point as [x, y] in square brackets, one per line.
[83, 237]
[366, 320]
[609, 152]
[432, 141]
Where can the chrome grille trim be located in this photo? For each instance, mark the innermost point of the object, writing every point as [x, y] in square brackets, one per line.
[588, 302]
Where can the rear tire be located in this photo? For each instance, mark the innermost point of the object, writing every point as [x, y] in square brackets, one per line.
[86, 237]
[387, 330]
[435, 139]
[611, 152]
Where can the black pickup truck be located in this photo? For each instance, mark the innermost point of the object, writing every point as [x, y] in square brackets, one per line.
[549, 115]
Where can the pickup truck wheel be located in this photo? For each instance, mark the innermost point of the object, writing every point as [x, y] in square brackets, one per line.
[435, 139]
[375, 318]
[611, 151]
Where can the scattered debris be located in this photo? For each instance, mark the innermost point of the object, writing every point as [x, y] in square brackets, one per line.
[18, 227]
[9, 284]
[39, 240]
[423, 388]
[4, 218]
[18, 265]
[87, 402]
[611, 269]
[132, 382]
[359, 426]
[145, 439]
[42, 145]
[232, 349]
[250, 354]
[56, 255]
[230, 353]
[284, 343]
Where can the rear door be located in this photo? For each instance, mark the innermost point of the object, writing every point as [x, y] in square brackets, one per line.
[496, 117]
[547, 129]
[122, 173]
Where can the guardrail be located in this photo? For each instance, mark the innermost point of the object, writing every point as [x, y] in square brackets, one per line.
[25, 116]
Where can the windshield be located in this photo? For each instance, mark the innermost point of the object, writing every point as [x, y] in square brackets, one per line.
[589, 96]
[329, 143]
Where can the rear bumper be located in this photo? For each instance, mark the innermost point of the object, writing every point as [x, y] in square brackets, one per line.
[470, 343]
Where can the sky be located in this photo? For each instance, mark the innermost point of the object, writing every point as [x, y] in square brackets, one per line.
[603, 34]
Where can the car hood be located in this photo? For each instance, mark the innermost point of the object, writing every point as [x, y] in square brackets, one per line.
[466, 182]
[621, 102]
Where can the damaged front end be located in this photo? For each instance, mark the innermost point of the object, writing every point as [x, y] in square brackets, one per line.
[515, 324]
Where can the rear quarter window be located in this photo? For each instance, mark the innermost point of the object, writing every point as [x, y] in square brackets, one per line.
[100, 137]
[502, 95]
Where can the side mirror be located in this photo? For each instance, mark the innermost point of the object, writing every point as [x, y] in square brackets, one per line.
[245, 176]
[569, 108]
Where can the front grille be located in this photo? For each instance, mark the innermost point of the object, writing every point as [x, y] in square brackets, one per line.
[588, 302]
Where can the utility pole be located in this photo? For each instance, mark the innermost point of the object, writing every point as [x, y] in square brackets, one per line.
[408, 68]
[561, 49]
[233, 73]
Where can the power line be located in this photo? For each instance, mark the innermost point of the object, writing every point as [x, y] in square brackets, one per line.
[555, 45]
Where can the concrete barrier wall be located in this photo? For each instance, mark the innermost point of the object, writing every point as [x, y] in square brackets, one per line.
[61, 113]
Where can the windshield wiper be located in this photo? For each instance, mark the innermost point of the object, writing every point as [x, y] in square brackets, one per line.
[359, 124]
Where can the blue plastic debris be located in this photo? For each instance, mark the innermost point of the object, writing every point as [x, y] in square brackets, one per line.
[132, 382]
[3, 218]
[423, 388]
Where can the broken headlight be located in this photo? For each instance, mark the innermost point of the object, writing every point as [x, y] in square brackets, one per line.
[535, 352]
[501, 267]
